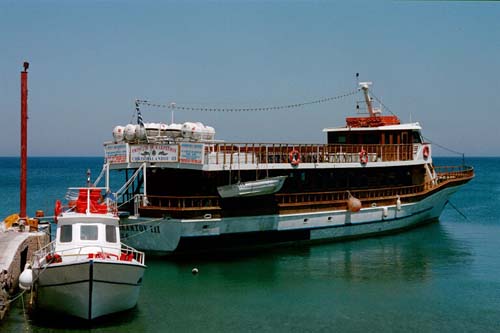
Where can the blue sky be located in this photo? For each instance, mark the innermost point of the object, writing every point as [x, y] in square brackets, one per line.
[433, 62]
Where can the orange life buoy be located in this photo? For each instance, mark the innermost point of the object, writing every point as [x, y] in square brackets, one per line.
[294, 157]
[425, 152]
[363, 156]
[57, 210]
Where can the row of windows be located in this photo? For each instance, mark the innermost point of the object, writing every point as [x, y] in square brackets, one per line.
[390, 137]
[87, 232]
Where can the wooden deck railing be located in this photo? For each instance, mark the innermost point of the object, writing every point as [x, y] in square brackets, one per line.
[453, 172]
[267, 153]
[183, 202]
[205, 203]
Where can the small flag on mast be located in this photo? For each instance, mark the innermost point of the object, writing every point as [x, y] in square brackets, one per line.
[139, 115]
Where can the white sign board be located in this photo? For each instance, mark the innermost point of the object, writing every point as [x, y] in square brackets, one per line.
[191, 153]
[154, 153]
[115, 153]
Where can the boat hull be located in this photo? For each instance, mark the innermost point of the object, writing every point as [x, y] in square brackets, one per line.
[89, 289]
[167, 236]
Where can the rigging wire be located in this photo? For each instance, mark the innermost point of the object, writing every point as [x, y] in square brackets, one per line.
[380, 101]
[443, 147]
[174, 106]
[446, 148]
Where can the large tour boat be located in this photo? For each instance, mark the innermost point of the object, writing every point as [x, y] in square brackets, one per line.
[186, 191]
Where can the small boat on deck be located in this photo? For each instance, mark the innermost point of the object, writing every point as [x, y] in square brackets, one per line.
[252, 188]
[86, 271]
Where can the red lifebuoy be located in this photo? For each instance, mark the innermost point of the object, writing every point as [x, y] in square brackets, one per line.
[294, 157]
[363, 157]
[425, 152]
[57, 210]
[55, 258]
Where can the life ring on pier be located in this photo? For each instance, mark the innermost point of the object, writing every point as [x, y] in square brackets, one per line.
[57, 210]
[426, 152]
[363, 157]
[294, 157]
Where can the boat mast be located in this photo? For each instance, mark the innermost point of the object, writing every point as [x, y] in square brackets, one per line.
[368, 101]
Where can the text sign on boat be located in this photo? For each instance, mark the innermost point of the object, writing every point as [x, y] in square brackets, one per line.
[116, 153]
[154, 153]
[191, 153]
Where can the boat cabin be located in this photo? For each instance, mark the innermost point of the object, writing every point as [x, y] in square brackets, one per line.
[384, 135]
[88, 235]
[88, 227]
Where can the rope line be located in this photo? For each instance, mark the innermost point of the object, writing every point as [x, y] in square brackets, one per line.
[443, 147]
[380, 101]
[174, 106]
[458, 211]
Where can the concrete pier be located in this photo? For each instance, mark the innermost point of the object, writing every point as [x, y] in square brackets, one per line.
[16, 249]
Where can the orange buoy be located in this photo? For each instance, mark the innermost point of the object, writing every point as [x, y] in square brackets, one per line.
[353, 204]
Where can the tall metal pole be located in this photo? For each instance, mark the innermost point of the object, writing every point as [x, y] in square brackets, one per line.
[24, 139]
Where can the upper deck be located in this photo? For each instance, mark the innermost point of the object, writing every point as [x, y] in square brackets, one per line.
[372, 141]
[245, 156]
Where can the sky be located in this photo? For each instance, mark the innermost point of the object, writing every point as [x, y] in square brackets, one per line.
[437, 63]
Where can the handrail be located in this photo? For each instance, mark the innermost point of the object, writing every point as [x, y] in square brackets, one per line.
[268, 153]
[183, 202]
[50, 248]
[213, 202]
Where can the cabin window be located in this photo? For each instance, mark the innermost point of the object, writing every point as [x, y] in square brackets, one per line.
[110, 234]
[66, 234]
[88, 232]
[338, 138]
[416, 137]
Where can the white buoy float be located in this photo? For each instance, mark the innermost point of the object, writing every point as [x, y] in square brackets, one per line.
[385, 211]
[194, 271]
[26, 278]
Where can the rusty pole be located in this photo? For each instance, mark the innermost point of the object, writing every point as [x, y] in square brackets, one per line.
[24, 139]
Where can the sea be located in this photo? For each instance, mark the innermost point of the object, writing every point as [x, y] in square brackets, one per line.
[442, 277]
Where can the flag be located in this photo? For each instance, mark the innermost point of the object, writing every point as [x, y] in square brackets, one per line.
[139, 115]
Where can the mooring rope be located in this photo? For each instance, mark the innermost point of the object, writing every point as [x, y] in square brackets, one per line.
[458, 211]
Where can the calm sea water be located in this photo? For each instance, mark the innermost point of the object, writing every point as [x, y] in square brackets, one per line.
[444, 277]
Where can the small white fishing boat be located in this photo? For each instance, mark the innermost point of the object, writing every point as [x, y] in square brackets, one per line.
[252, 188]
[86, 271]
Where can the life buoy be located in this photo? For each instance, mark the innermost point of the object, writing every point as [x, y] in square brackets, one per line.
[57, 210]
[294, 157]
[425, 152]
[56, 258]
[363, 157]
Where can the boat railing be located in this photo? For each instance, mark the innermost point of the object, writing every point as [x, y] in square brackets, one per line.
[270, 153]
[453, 172]
[127, 253]
[342, 196]
[178, 202]
[444, 175]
